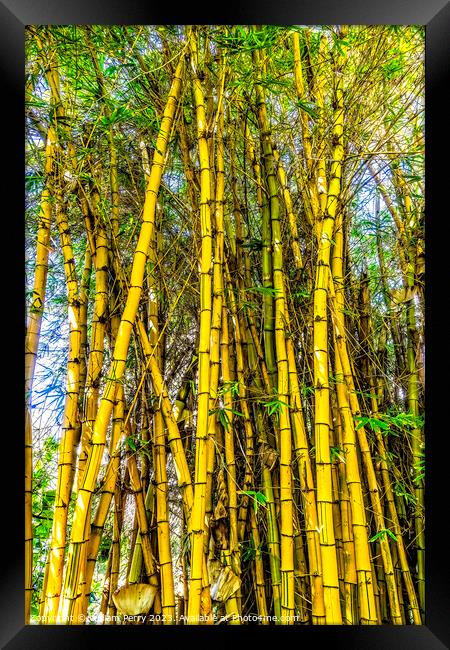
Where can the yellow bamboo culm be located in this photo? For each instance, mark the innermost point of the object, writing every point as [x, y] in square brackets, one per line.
[106, 495]
[216, 315]
[66, 452]
[417, 441]
[96, 354]
[36, 311]
[161, 481]
[41, 265]
[305, 474]
[232, 553]
[198, 528]
[321, 176]
[117, 367]
[374, 491]
[368, 614]
[108, 487]
[292, 220]
[171, 416]
[136, 486]
[66, 456]
[321, 364]
[286, 499]
[162, 519]
[312, 204]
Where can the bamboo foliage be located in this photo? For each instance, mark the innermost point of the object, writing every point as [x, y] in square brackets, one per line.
[226, 252]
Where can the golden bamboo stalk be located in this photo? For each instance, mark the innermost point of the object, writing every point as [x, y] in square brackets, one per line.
[117, 367]
[198, 524]
[36, 311]
[321, 354]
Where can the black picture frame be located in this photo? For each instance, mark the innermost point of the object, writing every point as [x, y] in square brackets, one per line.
[435, 15]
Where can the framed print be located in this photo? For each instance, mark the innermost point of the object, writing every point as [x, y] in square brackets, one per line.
[227, 431]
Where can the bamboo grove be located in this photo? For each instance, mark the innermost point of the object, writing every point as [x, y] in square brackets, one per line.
[224, 346]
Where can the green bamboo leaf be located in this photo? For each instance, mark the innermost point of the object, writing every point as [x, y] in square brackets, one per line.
[391, 535]
[265, 291]
[382, 533]
[309, 107]
[131, 444]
